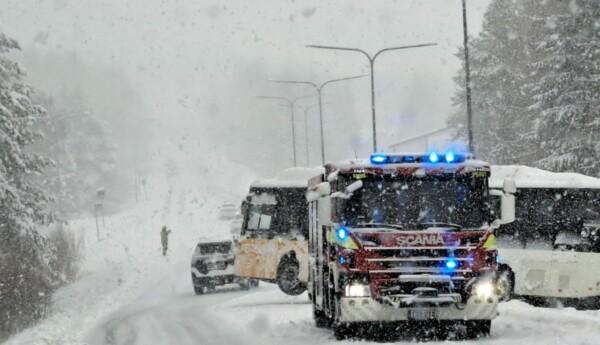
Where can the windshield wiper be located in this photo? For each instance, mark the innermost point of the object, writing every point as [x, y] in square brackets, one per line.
[442, 224]
[380, 225]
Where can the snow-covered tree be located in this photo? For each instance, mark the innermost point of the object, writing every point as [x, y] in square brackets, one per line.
[535, 80]
[501, 125]
[80, 145]
[565, 84]
[25, 277]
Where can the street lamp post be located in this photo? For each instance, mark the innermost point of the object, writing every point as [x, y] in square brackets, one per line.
[306, 110]
[467, 79]
[291, 103]
[319, 89]
[372, 65]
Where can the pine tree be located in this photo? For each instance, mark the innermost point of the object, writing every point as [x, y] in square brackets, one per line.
[565, 85]
[501, 126]
[25, 277]
[80, 145]
[536, 80]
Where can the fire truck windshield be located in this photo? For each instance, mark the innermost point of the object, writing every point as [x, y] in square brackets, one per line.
[416, 203]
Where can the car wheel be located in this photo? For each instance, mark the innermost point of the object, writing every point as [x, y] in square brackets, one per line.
[244, 284]
[199, 289]
[288, 279]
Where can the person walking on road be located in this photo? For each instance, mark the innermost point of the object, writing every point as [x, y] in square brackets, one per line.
[164, 239]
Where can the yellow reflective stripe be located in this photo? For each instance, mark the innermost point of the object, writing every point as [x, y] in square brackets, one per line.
[490, 242]
[330, 237]
[348, 242]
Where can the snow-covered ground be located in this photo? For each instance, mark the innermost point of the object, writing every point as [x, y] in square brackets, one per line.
[266, 316]
[128, 293]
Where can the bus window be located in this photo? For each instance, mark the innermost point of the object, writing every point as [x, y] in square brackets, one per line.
[259, 221]
[259, 217]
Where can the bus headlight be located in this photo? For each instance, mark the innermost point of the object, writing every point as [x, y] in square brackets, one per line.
[484, 290]
[357, 290]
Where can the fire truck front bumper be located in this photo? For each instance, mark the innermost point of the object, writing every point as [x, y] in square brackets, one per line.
[359, 309]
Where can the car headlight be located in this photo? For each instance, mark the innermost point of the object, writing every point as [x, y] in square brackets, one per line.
[484, 290]
[357, 290]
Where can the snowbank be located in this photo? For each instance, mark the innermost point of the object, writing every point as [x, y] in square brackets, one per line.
[126, 263]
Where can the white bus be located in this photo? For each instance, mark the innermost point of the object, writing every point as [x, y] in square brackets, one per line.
[273, 243]
[552, 248]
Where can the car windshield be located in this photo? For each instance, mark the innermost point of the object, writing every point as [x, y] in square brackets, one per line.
[215, 248]
[417, 202]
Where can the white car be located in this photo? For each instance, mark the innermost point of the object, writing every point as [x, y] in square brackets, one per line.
[212, 266]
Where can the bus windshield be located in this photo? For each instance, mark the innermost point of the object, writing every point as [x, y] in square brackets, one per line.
[412, 202]
[276, 212]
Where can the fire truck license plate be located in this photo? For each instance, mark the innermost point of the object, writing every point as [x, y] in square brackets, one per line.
[422, 314]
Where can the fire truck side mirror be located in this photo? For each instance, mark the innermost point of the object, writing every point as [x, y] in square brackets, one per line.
[318, 191]
[509, 186]
[354, 186]
[508, 208]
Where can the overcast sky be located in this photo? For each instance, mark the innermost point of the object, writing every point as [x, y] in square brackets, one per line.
[198, 65]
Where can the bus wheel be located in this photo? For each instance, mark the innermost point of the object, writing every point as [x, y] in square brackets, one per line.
[287, 277]
[588, 303]
[505, 284]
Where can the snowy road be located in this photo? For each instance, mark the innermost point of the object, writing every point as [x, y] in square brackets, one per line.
[266, 316]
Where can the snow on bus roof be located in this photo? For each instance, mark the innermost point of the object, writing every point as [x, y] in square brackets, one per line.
[528, 177]
[290, 178]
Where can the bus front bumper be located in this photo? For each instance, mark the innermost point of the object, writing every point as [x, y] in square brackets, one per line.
[357, 309]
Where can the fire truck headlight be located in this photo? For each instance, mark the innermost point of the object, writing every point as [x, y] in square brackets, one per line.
[484, 290]
[357, 290]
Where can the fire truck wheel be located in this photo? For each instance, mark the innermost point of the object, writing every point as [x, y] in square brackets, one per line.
[505, 283]
[342, 330]
[287, 277]
[478, 328]
[321, 319]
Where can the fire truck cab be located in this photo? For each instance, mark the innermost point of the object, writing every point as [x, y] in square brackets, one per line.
[403, 237]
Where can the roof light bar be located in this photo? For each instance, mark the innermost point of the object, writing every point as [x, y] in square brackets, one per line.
[379, 158]
[433, 157]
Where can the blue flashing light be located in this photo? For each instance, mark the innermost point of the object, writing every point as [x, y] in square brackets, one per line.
[342, 233]
[342, 260]
[434, 157]
[450, 157]
[451, 264]
[379, 158]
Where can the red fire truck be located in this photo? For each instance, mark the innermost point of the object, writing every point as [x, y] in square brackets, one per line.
[403, 237]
